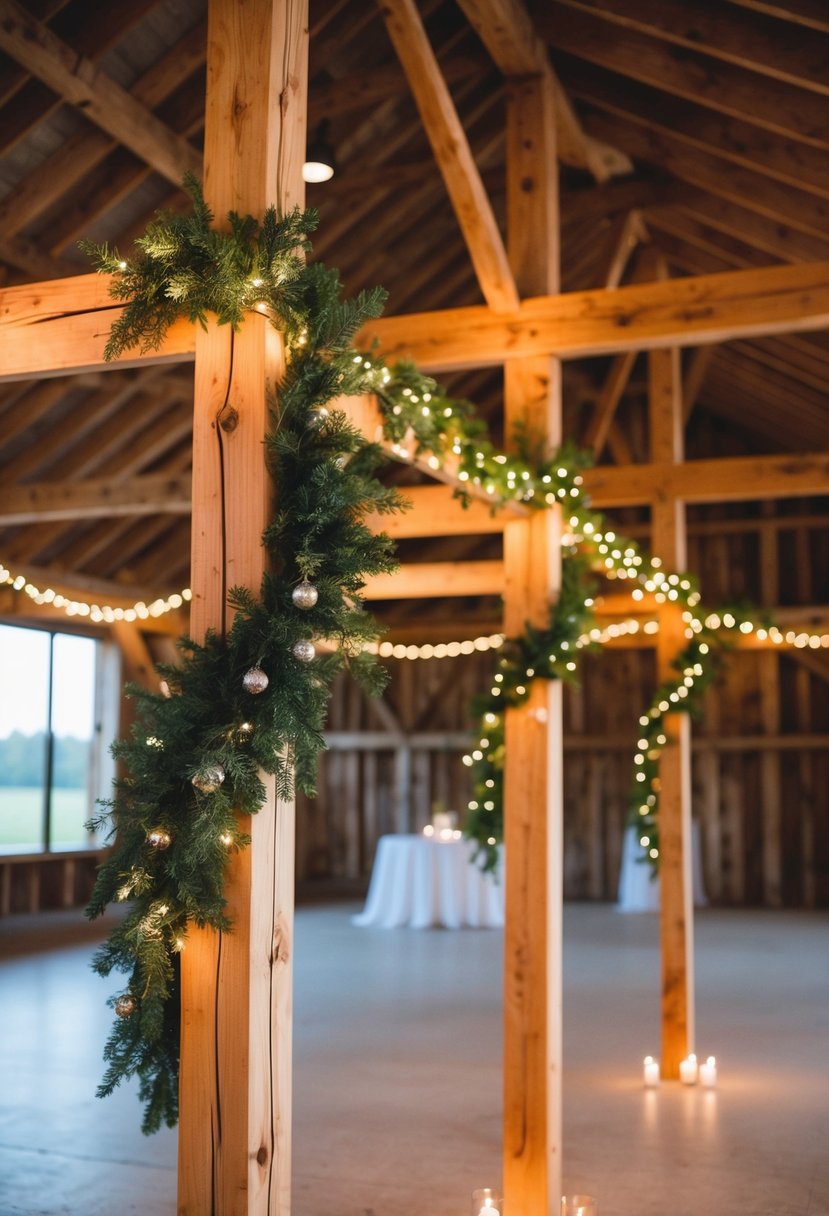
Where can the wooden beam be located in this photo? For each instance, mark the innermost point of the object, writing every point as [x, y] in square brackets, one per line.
[436, 580]
[778, 106]
[610, 394]
[729, 479]
[107, 497]
[757, 43]
[435, 511]
[533, 797]
[668, 540]
[683, 312]
[452, 153]
[60, 326]
[625, 235]
[235, 1130]
[507, 31]
[694, 376]
[83, 151]
[139, 665]
[101, 99]
[712, 172]
[736, 140]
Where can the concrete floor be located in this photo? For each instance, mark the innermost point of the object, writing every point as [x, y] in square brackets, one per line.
[398, 1072]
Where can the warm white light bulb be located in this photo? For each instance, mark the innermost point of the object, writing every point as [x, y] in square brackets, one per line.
[316, 171]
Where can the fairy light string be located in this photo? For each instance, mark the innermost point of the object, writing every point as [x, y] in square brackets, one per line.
[256, 698]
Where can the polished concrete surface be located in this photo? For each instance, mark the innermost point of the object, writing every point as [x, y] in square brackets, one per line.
[397, 1072]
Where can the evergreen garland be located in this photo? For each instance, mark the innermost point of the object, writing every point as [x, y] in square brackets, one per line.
[193, 758]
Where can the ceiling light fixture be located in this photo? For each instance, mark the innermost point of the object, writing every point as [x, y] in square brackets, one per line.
[320, 165]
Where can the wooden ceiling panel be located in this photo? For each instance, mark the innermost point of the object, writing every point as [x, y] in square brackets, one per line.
[721, 108]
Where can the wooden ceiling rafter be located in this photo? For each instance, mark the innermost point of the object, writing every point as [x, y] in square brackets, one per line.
[709, 172]
[508, 33]
[450, 146]
[785, 109]
[734, 140]
[764, 45]
[103, 101]
[93, 27]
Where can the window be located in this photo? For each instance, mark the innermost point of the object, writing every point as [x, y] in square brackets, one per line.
[58, 696]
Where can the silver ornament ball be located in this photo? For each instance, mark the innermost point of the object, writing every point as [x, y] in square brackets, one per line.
[255, 681]
[209, 778]
[305, 595]
[304, 650]
[318, 418]
[125, 1005]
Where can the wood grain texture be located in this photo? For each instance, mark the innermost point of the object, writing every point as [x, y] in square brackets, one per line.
[234, 1138]
[102, 100]
[453, 154]
[533, 795]
[49, 328]
[668, 540]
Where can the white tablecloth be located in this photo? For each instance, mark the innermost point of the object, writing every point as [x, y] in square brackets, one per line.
[423, 883]
[638, 889]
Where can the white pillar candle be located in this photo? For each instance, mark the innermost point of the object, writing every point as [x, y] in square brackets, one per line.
[650, 1071]
[486, 1202]
[688, 1070]
[708, 1073]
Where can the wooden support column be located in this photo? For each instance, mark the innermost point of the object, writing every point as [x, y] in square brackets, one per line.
[668, 541]
[771, 790]
[234, 1139]
[533, 791]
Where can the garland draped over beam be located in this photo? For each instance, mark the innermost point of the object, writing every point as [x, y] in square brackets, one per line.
[255, 698]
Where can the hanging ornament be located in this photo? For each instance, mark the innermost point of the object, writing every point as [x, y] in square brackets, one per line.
[255, 681]
[209, 778]
[305, 595]
[125, 1005]
[159, 839]
[243, 732]
[318, 418]
[304, 650]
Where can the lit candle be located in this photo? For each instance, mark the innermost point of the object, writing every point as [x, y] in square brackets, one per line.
[688, 1070]
[708, 1072]
[651, 1072]
[486, 1202]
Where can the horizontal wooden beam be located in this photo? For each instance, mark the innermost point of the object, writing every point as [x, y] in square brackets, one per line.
[437, 580]
[679, 312]
[106, 498]
[62, 325]
[435, 511]
[730, 479]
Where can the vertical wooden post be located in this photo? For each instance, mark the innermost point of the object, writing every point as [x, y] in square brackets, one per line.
[533, 793]
[771, 790]
[234, 1138]
[668, 541]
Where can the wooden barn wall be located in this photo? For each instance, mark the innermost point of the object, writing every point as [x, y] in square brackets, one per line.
[760, 751]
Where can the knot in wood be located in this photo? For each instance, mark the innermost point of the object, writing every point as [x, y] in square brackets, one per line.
[229, 419]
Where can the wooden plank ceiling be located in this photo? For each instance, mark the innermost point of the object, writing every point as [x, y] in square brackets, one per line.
[693, 137]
